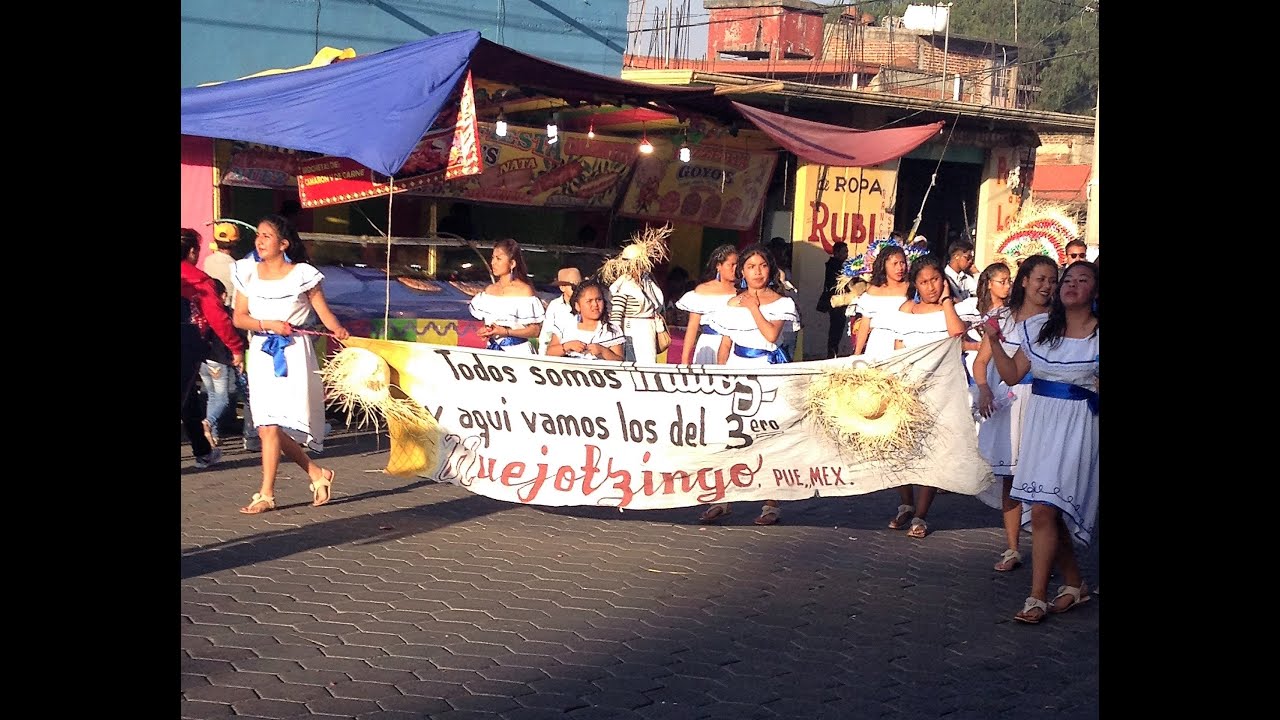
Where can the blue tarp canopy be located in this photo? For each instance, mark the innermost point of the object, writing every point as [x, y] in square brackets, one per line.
[335, 109]
[375, 108]
[361, 293]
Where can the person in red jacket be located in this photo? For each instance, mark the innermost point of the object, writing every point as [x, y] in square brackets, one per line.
[201, 308]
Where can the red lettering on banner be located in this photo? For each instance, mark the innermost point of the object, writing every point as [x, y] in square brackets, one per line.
[712, 481]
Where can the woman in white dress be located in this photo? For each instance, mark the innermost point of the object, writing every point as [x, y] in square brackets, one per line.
[751, 326]
[1058, 455]
[592, 337]
[701, 341]
[998, 435]
[273, 295]
[880, 303]
[511, 311]
[927, 317]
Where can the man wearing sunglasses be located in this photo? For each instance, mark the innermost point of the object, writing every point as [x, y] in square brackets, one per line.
[1076, 251]
[960, 257]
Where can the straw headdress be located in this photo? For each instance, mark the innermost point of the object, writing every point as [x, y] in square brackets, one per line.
[648, 247]
[876, 414]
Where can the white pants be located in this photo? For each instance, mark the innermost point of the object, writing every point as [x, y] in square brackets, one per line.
[642, 342]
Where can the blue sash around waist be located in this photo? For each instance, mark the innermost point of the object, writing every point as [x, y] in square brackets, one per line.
[778, 356]
[274, 346]
[507, 341]
[707, 330]
[1065, 391]
[1026, 379]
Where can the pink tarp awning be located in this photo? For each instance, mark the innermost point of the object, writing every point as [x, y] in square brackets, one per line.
[835, 145]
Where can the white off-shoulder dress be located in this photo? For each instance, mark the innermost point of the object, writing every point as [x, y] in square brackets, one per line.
[749, 345]
[880, 311]
[914, 329]
[704, 352]
[1058, 453]
[509, 311]
[294, 401]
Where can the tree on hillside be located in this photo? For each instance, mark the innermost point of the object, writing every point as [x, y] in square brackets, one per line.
[1057, 42]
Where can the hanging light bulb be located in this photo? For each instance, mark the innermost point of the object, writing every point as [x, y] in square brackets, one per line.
[553, 130]
[591, 130]
[646, 147]
[500, 127]
[684, 150]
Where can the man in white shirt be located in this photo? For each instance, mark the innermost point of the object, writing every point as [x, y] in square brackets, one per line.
[960, 257]
[218, 263]
[559, 312]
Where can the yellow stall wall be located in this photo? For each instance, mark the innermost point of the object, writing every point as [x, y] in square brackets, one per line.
[850, 208]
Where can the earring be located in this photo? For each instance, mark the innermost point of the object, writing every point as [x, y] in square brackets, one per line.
[717, 276]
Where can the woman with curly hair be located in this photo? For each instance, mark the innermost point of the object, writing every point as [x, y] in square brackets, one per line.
[1030, 294]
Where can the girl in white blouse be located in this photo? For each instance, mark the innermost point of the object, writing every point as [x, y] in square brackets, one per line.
[511, 311]
[592, 336]
[275, 295]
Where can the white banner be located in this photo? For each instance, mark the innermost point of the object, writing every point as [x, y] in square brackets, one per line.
[554, 431]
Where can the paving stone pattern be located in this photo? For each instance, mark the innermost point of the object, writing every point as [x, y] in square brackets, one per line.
[405, 598]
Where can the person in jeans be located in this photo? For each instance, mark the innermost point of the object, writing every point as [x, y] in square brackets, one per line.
[218, 378]
[201, 311]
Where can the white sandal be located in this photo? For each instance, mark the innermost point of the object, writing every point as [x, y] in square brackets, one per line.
[324, 483]
[905, 513]
[769, 515]
[258, 498]
[919, 528]
[1078, 595]
[1005, 557]
[1029, 605]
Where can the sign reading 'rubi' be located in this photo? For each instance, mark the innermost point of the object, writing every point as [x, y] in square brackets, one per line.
[554, 431]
